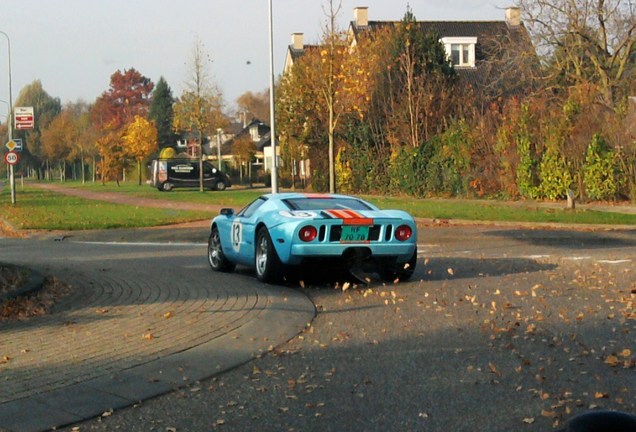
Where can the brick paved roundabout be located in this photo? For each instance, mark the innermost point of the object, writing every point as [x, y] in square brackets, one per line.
[142, 320]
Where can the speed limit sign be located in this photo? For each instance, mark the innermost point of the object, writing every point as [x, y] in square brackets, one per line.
[12, 158]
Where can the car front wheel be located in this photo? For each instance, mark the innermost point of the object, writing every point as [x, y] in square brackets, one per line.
[266, 261]
[220, 185]
[216, 257]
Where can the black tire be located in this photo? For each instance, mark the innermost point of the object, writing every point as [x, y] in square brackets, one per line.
[220, 185]
[216, 257]
[167, 186]
[403, 272]
[266, 261]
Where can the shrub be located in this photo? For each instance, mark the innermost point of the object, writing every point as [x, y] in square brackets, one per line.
[599, 172]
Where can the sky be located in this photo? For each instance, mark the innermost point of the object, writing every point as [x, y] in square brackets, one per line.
[74, 46]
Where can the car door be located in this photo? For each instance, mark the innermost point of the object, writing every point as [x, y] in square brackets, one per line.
[241, 248]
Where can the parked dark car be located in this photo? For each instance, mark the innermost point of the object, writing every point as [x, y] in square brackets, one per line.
[184, 173]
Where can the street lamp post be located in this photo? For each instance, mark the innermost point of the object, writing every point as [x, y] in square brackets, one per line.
[9, 120]
[219, 131]
[272, 116]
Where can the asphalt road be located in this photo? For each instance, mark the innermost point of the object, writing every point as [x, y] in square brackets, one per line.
[500, 329]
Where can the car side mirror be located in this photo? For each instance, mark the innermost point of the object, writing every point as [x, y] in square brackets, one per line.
[227, 212]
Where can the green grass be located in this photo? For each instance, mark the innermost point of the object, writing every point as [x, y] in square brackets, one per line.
[39, 209]
[500, 211]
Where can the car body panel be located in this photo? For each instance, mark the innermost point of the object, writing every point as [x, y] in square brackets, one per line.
[367, 227]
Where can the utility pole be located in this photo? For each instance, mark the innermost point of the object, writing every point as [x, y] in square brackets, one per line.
[10, 121]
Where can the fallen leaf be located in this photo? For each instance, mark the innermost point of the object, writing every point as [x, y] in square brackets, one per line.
[148, 336]
[611, 360]
[451, 271]
[528, 420]
[167, 315]
[493, 369]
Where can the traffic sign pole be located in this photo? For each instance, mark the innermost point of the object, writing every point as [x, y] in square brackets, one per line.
[12, 184]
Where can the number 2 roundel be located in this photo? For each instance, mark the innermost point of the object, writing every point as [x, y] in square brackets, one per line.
[237, 236]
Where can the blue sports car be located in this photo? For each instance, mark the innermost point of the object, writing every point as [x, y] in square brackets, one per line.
[277, 232]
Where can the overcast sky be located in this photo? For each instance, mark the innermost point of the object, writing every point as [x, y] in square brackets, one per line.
[74, 46]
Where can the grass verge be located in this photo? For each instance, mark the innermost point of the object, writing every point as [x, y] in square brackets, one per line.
[39, 209]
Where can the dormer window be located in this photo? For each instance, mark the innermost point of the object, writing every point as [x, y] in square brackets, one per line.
[254, 133]
[460, 50]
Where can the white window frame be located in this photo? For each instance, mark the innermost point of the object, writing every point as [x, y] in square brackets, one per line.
[462, 41]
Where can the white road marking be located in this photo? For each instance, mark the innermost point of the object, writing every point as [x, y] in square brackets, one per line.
[623, 261]
[115, 243]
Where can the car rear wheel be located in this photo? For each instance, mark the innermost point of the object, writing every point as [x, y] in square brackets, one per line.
[216, 257]
[403, 271]
[220, 185]
[266, 261]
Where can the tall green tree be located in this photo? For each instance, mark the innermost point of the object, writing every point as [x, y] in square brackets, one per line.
[162, 113]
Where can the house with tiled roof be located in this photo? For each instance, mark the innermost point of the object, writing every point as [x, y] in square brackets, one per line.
[491, 56]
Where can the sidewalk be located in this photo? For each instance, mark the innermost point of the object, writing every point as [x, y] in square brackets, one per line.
[134, 327]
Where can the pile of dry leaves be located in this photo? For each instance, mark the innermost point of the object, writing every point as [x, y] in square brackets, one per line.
[35, 304]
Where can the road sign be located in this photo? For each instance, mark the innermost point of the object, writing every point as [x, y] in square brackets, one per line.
[14, 145]
[12, 158]
[24, 118]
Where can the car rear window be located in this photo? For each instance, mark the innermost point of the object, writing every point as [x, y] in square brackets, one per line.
[325, 204]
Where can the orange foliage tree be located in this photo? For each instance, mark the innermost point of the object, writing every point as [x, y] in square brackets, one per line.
[140, 140]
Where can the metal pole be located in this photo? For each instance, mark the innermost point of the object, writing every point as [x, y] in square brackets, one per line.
[218, 148]
[272, 115]
[10, 120]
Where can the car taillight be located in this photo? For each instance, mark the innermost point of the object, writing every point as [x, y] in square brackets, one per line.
[308, 233]
[403, 232]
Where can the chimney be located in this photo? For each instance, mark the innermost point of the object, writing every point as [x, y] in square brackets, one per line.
[361, 16]
[297, 41]
[513, 16]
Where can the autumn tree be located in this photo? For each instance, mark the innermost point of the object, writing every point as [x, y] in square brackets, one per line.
[140, 141]
[112, 152]
[45, 109]
[59, 139]
[86, 137]
[199, 109]
[162, 113]
[244, 150]
[253, 106]
[127, 96]
[417, 85]
[585, 41]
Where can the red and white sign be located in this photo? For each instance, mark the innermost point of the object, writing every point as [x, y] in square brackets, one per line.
[24, 118]
[12, 158]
